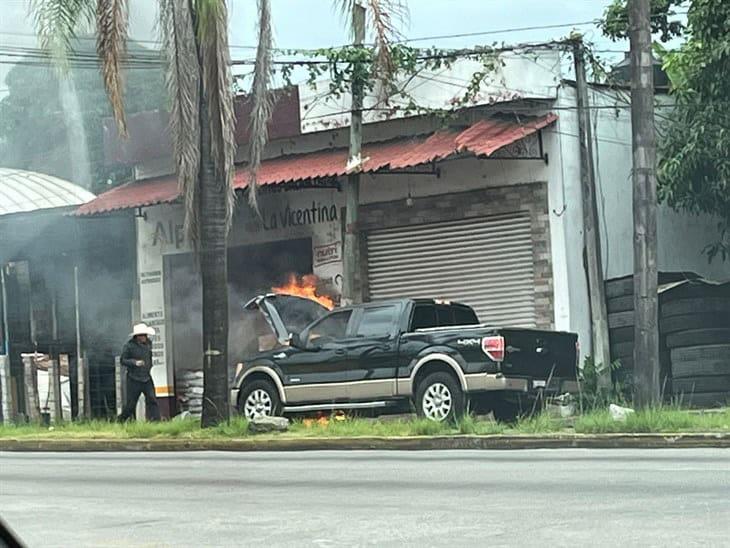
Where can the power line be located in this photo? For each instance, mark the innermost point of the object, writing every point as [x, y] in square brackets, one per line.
[35, 56]
[594, 22]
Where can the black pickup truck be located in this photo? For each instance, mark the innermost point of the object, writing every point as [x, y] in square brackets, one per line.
[378, 354]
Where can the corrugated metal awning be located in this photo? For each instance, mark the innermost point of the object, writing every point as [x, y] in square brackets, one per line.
[480, 139]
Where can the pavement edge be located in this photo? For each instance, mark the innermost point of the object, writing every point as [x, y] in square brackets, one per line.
[415, 443]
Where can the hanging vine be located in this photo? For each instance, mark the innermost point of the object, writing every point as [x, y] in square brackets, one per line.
[344, 66]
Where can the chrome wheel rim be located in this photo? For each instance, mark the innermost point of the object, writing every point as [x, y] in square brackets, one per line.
[437, 402]
[258, 404]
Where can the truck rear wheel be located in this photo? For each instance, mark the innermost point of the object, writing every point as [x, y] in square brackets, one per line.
[439, 398]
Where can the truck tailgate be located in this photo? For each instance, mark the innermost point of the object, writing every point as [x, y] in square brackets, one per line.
[539, 354]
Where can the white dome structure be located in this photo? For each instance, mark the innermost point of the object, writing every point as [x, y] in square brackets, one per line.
[24, 191]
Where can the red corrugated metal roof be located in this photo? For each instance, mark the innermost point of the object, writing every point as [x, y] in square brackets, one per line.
[481, 139]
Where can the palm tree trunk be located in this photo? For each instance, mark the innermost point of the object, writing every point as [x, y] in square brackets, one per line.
[214, 273]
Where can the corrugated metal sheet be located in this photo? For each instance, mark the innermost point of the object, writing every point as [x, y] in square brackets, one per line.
[138, 194]
[22, 191]
[486, 263]
[480, 139]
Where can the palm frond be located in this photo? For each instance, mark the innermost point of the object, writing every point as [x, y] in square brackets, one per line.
[111, 46]
[262, 101]
[177, 32]
[385, 18]
[215, 61]
[57, 21]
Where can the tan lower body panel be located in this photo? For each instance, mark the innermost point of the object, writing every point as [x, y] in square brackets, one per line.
[355, 390]
[476, 382]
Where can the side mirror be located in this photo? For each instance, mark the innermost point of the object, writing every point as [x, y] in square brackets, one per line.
[295, 341]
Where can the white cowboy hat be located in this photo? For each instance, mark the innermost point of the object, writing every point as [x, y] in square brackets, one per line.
[142, 329]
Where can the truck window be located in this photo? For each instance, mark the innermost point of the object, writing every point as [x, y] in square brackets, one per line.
[445, 315]
[377, 321]
[424, 316]
[330, 328]
[463, 315]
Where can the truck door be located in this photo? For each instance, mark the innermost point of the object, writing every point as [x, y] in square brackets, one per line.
[373, 352]
[321, 373]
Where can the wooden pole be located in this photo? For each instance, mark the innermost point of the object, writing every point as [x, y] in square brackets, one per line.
[81, 374]
[54, 386]
[81, 388]
[646, 334]
[351, 266]
[30, 382]
[591, 233]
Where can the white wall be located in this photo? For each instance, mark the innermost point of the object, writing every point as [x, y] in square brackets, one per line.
[515, 76]
[681, 237]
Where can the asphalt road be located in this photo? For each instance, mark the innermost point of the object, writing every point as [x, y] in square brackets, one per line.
[450, 498]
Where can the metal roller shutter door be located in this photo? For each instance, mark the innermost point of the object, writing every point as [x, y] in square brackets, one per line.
[486, 263]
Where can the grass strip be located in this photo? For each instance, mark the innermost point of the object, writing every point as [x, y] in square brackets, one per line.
[660, 420]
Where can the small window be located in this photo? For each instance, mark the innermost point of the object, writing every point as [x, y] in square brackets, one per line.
[463, 315]
[377, 321]
[445, 315]
[424, 316]
[330, 328]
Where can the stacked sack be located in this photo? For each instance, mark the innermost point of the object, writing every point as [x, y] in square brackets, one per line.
[190, 392]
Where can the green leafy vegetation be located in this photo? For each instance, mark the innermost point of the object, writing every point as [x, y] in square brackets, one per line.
[615, 22]
[592, 395]
[694, 165]
[694, 138]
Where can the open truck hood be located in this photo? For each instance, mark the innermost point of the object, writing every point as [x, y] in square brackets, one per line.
[286, 314]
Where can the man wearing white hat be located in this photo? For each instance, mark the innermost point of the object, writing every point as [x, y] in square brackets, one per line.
[137, 359]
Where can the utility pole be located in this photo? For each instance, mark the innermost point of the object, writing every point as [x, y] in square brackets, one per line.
[351, 291]
[646, 335]
[591, 234]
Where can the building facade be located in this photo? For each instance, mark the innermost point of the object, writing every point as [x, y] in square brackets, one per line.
[485, 209]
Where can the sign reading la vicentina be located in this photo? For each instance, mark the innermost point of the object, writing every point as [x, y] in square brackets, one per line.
[172, 233]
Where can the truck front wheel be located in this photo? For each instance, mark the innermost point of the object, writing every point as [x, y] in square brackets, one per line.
[259, 399]
[439, 397]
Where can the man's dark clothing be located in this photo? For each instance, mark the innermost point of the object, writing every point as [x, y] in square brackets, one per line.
[139, 380]
[135, 350]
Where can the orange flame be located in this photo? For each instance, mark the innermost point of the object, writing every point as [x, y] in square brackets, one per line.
[306, 287]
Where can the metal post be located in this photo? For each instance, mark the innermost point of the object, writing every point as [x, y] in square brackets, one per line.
[78, 312]
[141, 410]
[6, 335]
[591, 233]
[119, 384]
[54, 316]
[5, 391]
[81, 388]
[351, 265]
[646, 334]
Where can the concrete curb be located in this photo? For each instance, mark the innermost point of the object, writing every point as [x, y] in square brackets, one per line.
[414, 443]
